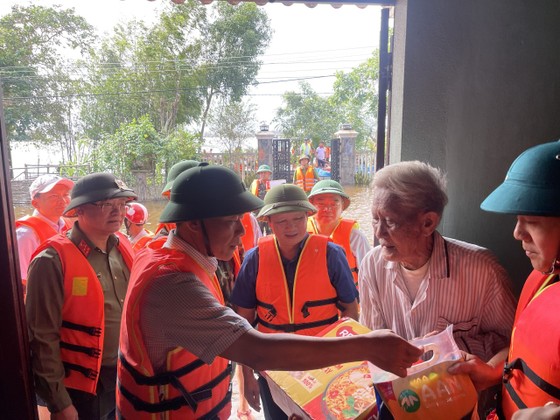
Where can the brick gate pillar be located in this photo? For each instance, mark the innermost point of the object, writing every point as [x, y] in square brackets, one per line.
[264, 142]
[347, 138]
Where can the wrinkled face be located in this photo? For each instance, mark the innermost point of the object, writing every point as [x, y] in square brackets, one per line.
[329, 207]
[52, 203]
[399, 235]
[103, 217]
[224, 234]
[540, 238]
[290, 228]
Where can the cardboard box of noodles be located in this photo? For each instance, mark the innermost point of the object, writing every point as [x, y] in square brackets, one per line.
[343, 391]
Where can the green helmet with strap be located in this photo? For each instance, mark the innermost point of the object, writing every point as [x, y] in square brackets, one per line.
[330, 186]
[264, 168]
[174, 172]
[532, 184]
[286, 198]
[207, 191]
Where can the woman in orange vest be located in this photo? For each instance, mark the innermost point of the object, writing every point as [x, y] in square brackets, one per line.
[330, 200]
[530, 369]
[305, 175]
[292, 282]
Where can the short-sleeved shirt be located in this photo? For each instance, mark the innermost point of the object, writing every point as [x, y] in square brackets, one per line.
[179, 310]
[464, 286]
[244, 291]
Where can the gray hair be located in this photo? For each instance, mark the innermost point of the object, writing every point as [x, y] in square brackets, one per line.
[415, 186]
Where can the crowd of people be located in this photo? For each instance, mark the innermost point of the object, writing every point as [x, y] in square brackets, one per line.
[133, 325]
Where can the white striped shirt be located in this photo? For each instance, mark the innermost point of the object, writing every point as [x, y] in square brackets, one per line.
[465, 286]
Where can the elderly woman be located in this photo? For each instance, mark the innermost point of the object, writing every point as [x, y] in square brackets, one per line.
[531, 375]
[417, 281]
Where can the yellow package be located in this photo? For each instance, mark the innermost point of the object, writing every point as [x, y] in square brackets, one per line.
[428, 391]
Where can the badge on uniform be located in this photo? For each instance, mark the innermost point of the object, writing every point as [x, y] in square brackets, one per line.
[79, 286]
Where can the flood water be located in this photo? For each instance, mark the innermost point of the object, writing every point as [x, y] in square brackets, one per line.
[360, 209]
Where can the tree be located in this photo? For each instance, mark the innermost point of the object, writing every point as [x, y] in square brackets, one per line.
[232, 123]
[36, 77]
[355, 95]
[232, 42]
[307, 115]
[134, 146]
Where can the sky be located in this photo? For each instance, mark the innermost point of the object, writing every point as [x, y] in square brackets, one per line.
[307, 43]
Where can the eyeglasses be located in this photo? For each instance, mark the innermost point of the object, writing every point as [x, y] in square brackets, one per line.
[108, 207]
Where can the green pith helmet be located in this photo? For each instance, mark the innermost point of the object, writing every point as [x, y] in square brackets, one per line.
[174, 172]
[207, 191]
[532, 184]
[97, 187]
[329, 186]
[264, 168]
[286, 198]
[304, 157]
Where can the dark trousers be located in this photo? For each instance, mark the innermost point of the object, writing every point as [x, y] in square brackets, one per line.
[270, 409]
[102, 405]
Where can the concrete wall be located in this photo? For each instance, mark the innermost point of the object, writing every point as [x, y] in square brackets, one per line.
[475, 83]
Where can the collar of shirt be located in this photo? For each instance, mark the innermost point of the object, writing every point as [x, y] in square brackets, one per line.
[79, 238]
[439, 260]
[210, 264]
[140, 234]
[57, 226]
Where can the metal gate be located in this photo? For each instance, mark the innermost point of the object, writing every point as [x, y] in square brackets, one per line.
[281, 165]
[335, 159]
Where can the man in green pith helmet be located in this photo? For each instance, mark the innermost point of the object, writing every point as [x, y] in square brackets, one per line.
[179, 338]
[265, 290]
[330, 200]
[261, 185]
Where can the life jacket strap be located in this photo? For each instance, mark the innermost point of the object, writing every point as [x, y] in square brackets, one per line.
[543, 385]
[94, 331]
[316, 303]
[292, 328]
[162, 378]
[90, 351]
[190, 399]
[88, 373]
[271, 310]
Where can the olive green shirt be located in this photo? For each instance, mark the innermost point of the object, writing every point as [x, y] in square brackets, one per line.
[45, 298]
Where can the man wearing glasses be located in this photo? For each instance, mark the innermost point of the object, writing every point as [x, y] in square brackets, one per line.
[50, 194]
[76, 290]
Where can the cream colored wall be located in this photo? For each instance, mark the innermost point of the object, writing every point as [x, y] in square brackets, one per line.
[475, 83]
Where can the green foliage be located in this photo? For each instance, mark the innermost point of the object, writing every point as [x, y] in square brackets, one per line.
[134, 147]
[177, 146]
[232, 123]
[354, 101]
[306, 114]
[35, 76]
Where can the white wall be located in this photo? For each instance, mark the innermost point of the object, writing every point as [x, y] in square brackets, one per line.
[475, 83]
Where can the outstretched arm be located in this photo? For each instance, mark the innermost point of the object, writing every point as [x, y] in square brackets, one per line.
[292, 352]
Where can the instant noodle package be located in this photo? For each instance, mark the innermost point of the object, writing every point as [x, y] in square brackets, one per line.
[343, 391]
[429, 391]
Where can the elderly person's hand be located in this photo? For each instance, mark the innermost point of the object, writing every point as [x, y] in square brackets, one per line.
[483, 375]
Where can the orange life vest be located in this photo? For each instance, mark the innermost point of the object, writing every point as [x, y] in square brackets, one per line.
[256, 188]
[142, 242]
[189, 388]
[340, 236]
[532, 373]
[312, 305]
[307, 181]
[167, 227]
[248, 239]
[41, 228]
[83, 315]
